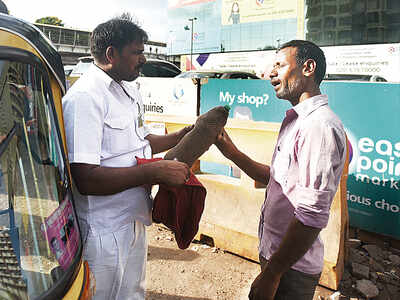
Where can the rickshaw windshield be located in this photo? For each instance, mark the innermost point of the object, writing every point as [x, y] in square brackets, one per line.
[39, 235]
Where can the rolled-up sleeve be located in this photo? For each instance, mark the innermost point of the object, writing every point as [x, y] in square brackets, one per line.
[319, 152]
[83, 120]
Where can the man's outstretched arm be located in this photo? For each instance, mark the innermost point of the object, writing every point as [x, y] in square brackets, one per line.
[253, 169]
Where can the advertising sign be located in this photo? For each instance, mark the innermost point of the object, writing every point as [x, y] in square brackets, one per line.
[257, 62]
[228, 25]
[249, 99]
[205, 27]
[168, 96]
[369, 114]
[380, 59]
[245, 11]
[61, 231]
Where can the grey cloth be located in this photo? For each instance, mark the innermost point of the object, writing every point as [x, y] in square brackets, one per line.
[294, 284]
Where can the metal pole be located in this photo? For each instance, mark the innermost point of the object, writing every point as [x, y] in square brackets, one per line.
[191, 42]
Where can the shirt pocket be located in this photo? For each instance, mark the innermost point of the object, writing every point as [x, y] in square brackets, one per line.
[118, 135]
[281, 168]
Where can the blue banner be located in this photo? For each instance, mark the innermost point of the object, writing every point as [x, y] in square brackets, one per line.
[369, 112]
[249, 99]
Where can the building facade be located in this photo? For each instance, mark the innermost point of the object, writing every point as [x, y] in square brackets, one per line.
[213, 26]
[353, 22]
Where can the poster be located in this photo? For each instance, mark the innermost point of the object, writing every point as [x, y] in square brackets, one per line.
[61, 231]
[246, 11]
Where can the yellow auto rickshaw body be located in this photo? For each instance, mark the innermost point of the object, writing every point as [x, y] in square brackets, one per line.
[40, 242]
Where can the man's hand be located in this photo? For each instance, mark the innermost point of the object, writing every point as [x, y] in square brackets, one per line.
[172, 172]
[264, 287]
[225, 144]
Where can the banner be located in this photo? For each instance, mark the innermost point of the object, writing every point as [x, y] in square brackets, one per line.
[259, 62]
[380, 59]
[168, 96]
[369, 112]
[249, 99]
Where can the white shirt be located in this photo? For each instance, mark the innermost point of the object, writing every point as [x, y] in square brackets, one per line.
[104, 126]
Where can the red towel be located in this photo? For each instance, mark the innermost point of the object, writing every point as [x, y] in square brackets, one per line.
[179, 208]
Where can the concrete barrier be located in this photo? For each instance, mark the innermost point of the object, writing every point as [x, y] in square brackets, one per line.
[232, 206]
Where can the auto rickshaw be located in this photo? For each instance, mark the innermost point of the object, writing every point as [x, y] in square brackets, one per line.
[40, 241]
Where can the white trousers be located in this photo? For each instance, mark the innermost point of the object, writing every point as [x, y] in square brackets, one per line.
[118, 262]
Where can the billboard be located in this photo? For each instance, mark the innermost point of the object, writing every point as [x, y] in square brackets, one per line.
[243, 11]
[378, 59]
[258, 62]
[227, 25]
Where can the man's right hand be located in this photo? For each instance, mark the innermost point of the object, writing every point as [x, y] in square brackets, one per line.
[172, 172]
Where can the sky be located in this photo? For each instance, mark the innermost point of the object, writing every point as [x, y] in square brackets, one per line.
[87, 14]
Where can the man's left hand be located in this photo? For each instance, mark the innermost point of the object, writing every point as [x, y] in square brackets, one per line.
[264, 287]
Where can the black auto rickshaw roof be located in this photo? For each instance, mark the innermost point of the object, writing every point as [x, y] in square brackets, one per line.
[37, 40]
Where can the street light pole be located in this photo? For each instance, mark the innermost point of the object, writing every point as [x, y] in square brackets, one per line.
[170, 45]
[191, 42]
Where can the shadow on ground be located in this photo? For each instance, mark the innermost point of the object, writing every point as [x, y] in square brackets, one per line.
[158, 296]
[162, 253]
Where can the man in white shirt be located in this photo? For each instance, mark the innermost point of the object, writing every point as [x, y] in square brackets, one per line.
[105, 131]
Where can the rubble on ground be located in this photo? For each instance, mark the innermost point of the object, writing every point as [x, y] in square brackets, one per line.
[371, 272]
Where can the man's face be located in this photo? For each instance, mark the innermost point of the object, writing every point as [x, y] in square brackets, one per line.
[129, 61]
[286, 76]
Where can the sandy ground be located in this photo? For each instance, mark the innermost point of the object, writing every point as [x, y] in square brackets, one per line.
[200, 272]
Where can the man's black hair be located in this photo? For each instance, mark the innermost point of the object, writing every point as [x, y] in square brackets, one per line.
[3, 8]
[308, 50]
[117, 32]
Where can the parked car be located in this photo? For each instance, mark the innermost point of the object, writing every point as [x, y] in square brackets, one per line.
[220, 74]
[355, 77]
[68, 69]
[159, 68]
[152, 68]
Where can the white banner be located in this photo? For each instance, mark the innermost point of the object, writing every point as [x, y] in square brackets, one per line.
[168, 96]
[379, 59]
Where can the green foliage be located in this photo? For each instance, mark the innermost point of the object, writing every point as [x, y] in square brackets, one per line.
[50, 21]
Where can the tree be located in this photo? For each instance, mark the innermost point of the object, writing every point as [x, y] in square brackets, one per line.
[50, 21]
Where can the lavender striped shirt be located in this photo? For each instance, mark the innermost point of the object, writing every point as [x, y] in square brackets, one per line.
[305, 171]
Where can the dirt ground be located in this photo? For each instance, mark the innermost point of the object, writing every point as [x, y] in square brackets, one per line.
[200, 272]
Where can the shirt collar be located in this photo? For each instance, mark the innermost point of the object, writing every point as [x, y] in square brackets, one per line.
[306, 107]
[101, 75]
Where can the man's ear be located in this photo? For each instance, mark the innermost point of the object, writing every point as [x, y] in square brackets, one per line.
[309, 67]
[110, 54]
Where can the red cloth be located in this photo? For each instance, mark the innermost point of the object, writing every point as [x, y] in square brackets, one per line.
[179, 208]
